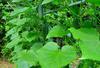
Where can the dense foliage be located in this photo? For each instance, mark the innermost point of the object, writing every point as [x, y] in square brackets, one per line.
[50, 33]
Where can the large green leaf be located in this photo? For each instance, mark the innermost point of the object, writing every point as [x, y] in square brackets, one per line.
[57, 31]
[90, 49]
[85, 33]
[97, 2]
[89, 42]
[22, 64]
[28, 56]
[36, 46]
[52, 55]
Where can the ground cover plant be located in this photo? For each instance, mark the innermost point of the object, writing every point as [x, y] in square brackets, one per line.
[50, 33]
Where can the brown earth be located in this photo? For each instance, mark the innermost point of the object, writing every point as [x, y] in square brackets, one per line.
[5, 64]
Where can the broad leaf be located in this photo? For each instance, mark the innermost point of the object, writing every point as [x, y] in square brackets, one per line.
[36, 46]
[28, 56]
[89, 42]
[85, 33]
[90, 49]
[57, 31]
[51, 55]
[22, 64]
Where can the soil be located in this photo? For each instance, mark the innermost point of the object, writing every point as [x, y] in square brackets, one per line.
[6, 64]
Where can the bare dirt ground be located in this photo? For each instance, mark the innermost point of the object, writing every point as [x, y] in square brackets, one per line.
[5, 64]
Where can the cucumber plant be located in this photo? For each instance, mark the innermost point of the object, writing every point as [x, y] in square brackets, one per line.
[53, 33]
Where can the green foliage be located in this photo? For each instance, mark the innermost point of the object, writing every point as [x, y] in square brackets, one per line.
[90, 49]
[89, 42]
[18, 22]
[50, 33]
[57, 31]
[55, 57]
[28, 56]
[49, 1]
[13, 43]
[46, 1]
[86, 34]
[97, 2]
[21, 64]
[19, 10]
